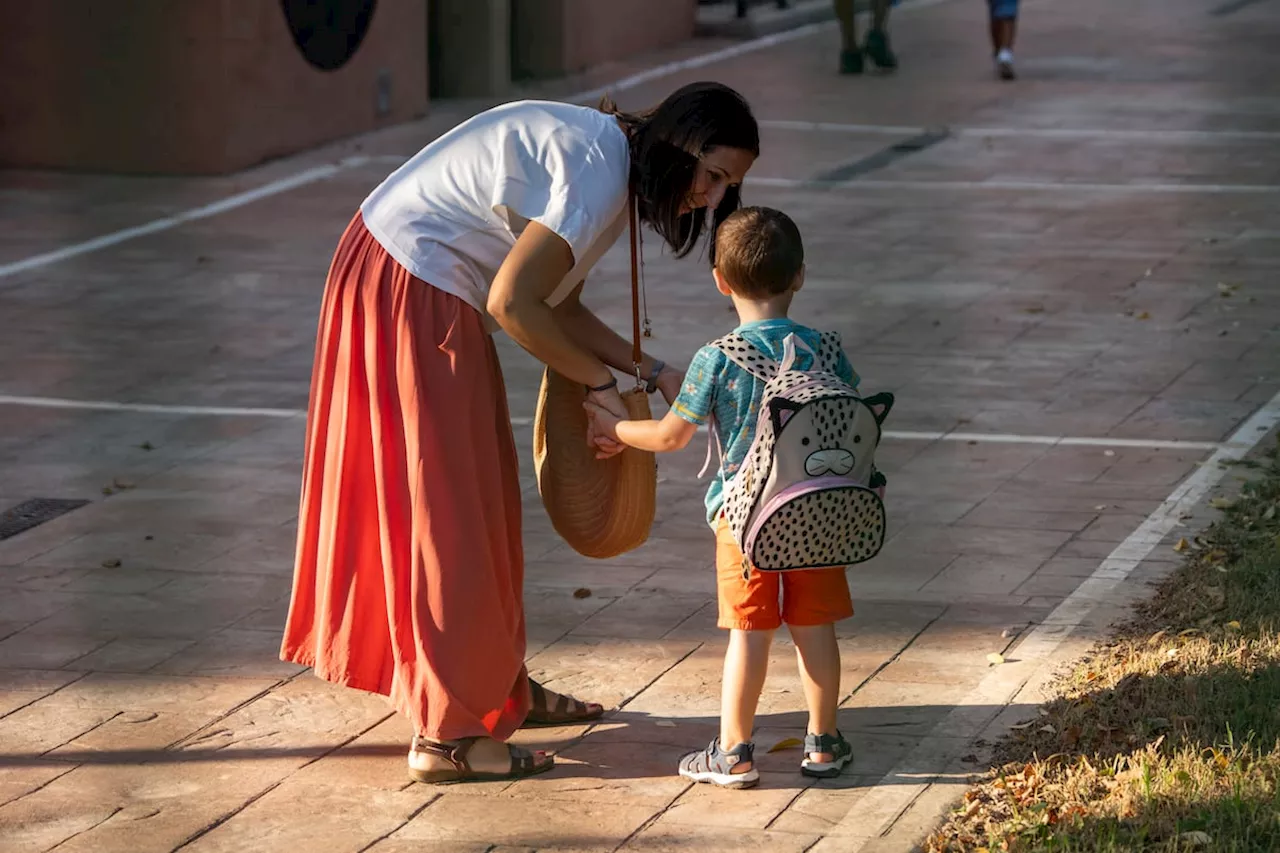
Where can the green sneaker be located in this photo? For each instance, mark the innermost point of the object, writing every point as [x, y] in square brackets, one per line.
[850, 62]
[877, 47]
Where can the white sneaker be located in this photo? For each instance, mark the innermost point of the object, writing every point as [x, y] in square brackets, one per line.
[1004, 64]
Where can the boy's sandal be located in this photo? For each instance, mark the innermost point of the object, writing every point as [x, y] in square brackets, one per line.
[837, 747]
[715, 766]
[523, 762]
[566, 711]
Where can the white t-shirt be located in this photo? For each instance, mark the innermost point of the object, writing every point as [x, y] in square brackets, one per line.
[452, 213]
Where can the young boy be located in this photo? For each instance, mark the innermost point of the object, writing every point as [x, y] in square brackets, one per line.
[760, 266]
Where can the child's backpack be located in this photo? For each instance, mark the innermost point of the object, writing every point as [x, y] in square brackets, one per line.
[808, 494]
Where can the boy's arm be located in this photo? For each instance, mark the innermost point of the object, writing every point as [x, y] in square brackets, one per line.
[691, 408]
[671, 433]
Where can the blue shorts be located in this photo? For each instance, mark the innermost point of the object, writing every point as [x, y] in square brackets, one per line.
[1003, 10]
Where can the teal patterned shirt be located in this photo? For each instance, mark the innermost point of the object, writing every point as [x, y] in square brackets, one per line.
[716, 387]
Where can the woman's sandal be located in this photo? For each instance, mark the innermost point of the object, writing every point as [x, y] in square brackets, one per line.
[715, 766]
[523, 763]
[566, 712]
[837, 747]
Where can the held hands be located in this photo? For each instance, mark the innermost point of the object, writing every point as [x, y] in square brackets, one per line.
[604, 410]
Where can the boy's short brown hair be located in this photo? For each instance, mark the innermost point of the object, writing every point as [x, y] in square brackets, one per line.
[759, 252]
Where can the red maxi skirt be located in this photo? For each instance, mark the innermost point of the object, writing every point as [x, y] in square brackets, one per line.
[409, 573]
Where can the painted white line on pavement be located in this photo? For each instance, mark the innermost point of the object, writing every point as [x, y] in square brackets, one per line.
[308, 176]
[151, 408]
[1171, 136]
[900, 435]
[1017, 186]
[880, 808]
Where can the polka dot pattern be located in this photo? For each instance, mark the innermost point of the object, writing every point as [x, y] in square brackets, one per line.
[831, 527]
[807, 419]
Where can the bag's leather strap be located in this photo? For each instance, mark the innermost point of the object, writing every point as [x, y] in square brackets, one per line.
[636, 355]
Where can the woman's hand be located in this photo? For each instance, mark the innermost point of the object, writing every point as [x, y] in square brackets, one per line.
[669, 382]
[604, 440]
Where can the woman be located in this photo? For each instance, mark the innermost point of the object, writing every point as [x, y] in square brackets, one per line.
[409, 572]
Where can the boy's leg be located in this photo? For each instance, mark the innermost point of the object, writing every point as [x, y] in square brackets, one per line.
[813, 601]
[819, 658]
[748, 609]
[746, 664]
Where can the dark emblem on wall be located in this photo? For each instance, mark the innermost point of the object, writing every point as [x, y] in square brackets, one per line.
[328, 32]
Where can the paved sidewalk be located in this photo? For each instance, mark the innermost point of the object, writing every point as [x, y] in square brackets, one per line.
[1091, 252]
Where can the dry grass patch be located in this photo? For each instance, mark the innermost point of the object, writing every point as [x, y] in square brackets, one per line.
[1167, 738]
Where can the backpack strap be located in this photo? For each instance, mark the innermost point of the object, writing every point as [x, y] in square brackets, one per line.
[743, 353]
[713, 442]
[829, 350]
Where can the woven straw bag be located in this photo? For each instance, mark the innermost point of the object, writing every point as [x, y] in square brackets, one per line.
[601, 507]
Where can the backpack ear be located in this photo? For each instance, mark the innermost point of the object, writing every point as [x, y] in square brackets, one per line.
[879, 404]
[780, 411]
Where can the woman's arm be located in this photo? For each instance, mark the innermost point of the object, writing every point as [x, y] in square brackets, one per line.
[593, 334]
[533, 269]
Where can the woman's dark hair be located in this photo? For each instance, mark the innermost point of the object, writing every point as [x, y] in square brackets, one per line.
[666, 142]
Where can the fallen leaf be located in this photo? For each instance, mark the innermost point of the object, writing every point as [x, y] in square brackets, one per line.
[1145, 315]
[1233, 625]
[136, 716]
[1181, 545]
[665, 724]
[1222, 503]
[107, 490]
[146, 445]
[113, 563]
[787, 743]
[995, 658]
[1018, 727]
[1049, 730]
[1270, 513]
[1035, 309]
[582, 592]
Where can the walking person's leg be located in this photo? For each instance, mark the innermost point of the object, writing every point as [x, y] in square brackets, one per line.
[850, 52]
[877, 47]
[1004, 24]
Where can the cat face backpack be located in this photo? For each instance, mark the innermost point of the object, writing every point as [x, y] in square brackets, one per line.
[808, 494]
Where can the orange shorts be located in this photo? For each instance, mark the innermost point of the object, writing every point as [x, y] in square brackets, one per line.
[809, 597]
